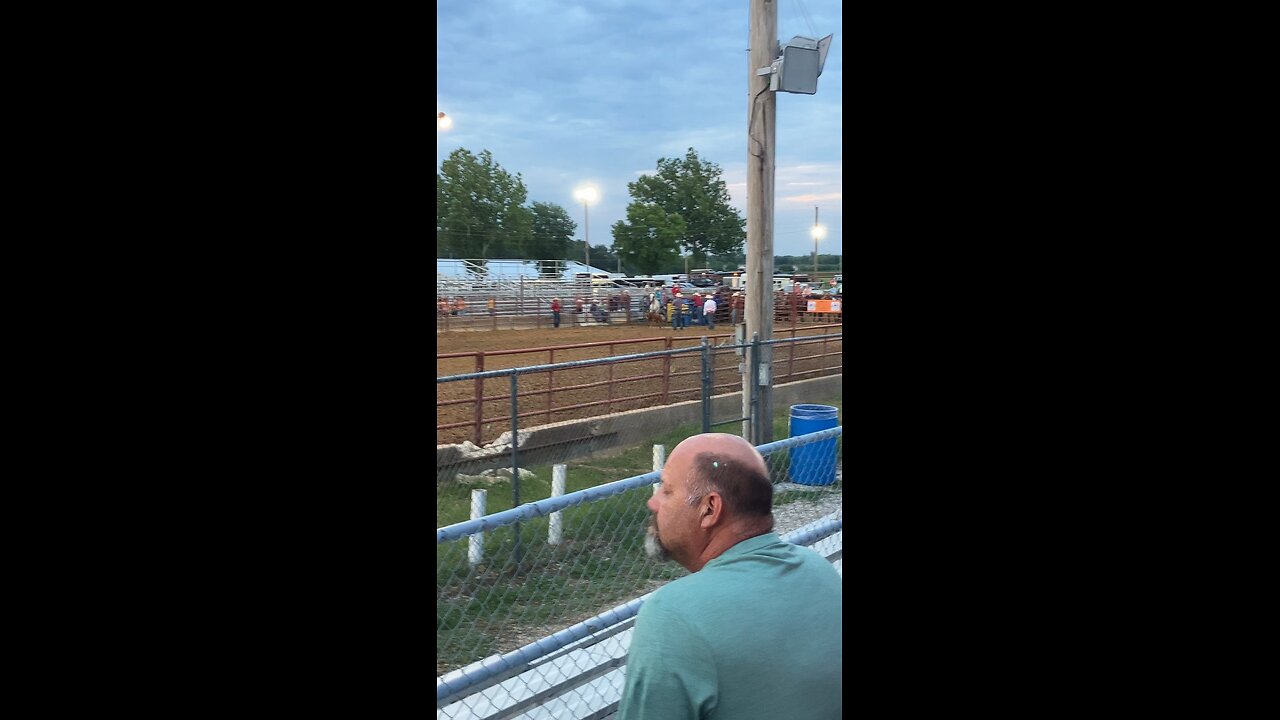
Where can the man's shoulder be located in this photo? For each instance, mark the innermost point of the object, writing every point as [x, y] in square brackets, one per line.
[679, 597]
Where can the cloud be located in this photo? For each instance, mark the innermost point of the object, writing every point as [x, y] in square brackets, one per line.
[810, 199]
[573, 91]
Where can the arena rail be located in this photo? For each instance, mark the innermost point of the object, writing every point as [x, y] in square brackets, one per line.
[659, 376]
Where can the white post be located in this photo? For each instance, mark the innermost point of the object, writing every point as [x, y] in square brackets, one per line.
[555, 529]
[475, 543]
[659, 459]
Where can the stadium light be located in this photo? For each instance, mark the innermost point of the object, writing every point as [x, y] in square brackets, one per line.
[586, 194]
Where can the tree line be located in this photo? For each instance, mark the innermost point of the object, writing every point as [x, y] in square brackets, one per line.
[787, 264]
[679, 215]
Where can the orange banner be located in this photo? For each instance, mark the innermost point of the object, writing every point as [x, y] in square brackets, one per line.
[824, 306]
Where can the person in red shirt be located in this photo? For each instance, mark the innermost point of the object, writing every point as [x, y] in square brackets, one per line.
[555, 311]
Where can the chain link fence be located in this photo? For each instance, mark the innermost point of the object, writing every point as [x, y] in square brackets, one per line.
[607, 394]
[540, 562]
[535, 598]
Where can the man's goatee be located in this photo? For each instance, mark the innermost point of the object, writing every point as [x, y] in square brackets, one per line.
[652, 545]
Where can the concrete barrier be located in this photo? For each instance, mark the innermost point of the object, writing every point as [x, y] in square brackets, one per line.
[569, 439]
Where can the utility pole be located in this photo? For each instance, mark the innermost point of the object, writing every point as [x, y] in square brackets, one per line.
[762, 112]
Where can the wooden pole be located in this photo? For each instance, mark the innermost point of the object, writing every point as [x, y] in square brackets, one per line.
[762, 106]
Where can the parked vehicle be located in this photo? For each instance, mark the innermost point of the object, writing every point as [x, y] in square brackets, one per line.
[637, 282]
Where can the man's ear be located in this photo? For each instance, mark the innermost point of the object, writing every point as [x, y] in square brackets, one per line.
[712, 510]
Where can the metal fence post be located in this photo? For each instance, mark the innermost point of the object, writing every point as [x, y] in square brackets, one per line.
[515, 464]
[666, 371]
[475, 543]
[555, 528]
[479, 398]
[706, 385]
[756, 432]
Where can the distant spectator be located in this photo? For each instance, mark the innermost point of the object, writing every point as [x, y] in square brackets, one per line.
[555, 311]
[459, 306]
[737, 307]
[598, 314]
[709, 312]
[493, 306]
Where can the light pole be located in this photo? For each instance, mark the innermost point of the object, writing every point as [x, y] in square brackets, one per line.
[818, 232]
[586, 194]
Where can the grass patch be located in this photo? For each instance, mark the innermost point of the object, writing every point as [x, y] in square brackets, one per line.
[453, 503]
[599, 563]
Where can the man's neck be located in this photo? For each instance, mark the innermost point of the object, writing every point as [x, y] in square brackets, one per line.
[728, 537]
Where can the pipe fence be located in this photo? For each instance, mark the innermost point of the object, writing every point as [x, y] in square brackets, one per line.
[520, 304]
[487, 406]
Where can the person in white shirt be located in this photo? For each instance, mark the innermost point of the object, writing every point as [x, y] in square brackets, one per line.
[709, 311]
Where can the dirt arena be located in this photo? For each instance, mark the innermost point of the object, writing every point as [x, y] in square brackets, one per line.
[619, 383]
[505, 339]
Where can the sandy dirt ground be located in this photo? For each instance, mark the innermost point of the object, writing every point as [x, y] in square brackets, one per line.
[618, 387]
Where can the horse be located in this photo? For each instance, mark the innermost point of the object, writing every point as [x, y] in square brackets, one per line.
[654, 314]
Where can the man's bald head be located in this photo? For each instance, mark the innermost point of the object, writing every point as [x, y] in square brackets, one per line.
[728, 465]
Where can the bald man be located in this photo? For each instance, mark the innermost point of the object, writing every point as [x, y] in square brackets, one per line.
[755, 631]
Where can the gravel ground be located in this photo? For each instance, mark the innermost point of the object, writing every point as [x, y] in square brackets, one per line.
[823, 501]
[802, 512]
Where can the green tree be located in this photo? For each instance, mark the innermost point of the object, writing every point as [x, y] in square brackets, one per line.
[784, 264]
[552, 236]
[649, 239]
[693, 190]
[727, 261]
[480, 209]
[603, 257]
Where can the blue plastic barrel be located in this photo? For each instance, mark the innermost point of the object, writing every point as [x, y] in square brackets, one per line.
[813, 463]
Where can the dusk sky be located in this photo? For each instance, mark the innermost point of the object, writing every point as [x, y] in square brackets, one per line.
[596, 92]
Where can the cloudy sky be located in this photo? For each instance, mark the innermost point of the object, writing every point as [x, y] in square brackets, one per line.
[596, 91]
